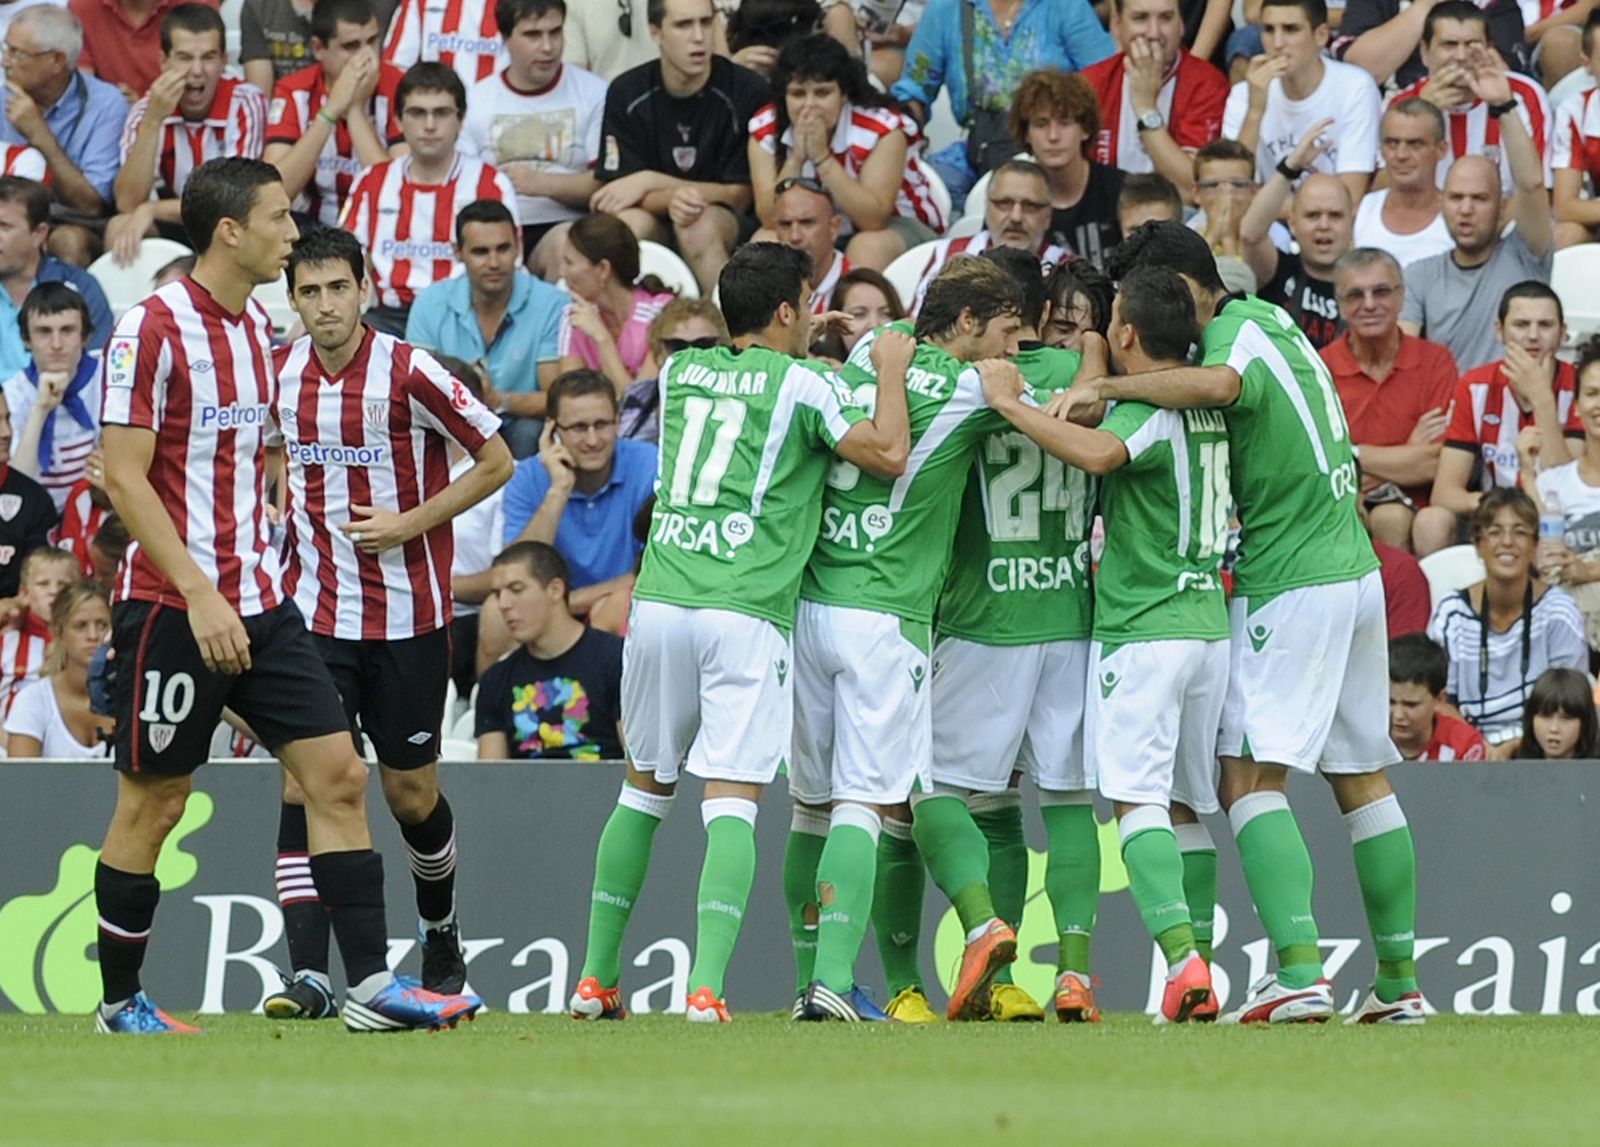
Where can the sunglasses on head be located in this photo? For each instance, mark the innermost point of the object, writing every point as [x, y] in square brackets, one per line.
[625, 18]
[805, 183]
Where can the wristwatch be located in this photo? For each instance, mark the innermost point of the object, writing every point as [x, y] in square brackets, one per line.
[1151, 121]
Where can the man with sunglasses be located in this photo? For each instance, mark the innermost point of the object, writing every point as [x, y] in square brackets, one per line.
[804, 217]
[581, 492]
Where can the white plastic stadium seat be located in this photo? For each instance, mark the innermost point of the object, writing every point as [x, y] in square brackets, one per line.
[664, 264]
[125, 286]
[966, 225]
[453, 750]
[275, 298]
[458, 727]
[230, 11]
[1451, 569]
[906, 271]
[1576, 271]
[940, 194]
[1577, 80]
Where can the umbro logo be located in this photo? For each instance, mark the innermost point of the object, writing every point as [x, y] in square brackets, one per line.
[388, 211]
[1259, 635]
[200, 366]
[421, 738]
[1108, 683]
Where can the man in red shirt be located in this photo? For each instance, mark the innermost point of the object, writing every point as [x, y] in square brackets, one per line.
[1158, 103]
[1396, 390]
[191, 113]
[1493, 402]
[122, 40]
[329, 122]
[1418, 672]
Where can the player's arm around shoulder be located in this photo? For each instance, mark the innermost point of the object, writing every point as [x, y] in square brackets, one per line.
[881, 445]
[1091, 450]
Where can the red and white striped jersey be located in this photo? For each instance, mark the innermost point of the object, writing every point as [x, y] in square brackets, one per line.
[822, 293]
[1471, 131]
[1486, 418]
[859, 130]
[26, 162]
[296, 100]
[200, 378]
[1533, 11]
[1454, 740]
[80, 521]
[22, 649]
[1575, 144]
[1191, 101]
[460, 34]
[1049, 255]
[408, 228]
[375, 434]
[235, 125]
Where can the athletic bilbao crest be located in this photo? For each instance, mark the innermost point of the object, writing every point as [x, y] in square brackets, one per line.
[9, 505]
[161, 735]
[377, 415]
[684, 157]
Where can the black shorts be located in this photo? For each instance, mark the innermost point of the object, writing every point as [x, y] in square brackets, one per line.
[168, 703]
[394, 691]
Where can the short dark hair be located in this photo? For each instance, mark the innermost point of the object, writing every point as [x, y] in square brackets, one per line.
[327, 15]
[758, 278]
[1417, 659]
[1150, 187]
[1530, 289]
[1166, 244]
[483, 211]
[53, 299]
[1025, 167]
[318, 245]
[897, 309]
[1023, 267]
[1421, 109]
[576, 384]
[1223, 151]
[509, 13]
[1588, 351]
[195, 18]
[430, 76]
[1462, 10]
[1156, 302]
[33, 195]
[226, 188]
[1589, 25]
[1503, 498]
[967, 284]
[1081, 277]
[1316, 11]
[541, 559]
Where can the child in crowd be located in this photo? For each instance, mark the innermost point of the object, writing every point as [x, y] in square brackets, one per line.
[45, 573]
[1558, 723]
[1420, 729]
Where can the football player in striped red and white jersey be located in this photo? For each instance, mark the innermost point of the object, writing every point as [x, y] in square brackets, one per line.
[368, 422]
[329, 122]
[191, 113]
[403, 210]
[200, 621]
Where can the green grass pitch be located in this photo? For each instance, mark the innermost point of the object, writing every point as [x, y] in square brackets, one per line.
[655, 1080]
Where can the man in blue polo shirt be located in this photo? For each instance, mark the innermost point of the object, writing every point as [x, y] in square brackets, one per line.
[584, 489]
[24, 225]
[499, 317]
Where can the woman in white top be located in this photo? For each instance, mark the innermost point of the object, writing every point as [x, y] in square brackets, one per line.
[1506, 630]
[51, 717]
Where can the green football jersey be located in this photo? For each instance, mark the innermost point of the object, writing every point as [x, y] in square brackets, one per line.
[1294, 478]
[1166, 515]
[746, 441]
[1020, 571]
[885, 545]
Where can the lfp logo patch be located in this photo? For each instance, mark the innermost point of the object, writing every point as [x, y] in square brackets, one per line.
[121, 356]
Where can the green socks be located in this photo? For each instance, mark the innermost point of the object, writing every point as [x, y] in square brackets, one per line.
[845, 877]
[1155, 879]
[1386, 867]
[1072, 876]
[1199, 882]
[725, 879]
[808, 831]
[1277, 868]
[957, 856]
[620, 864]
[999, 817]
[897, 906]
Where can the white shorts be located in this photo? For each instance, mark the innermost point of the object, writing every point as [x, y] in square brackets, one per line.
[1153, 712]
[861, 724]
[707, 684]
[997, 709]
[1308, 683]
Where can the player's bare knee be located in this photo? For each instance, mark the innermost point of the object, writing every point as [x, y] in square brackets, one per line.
[149, 808]
[1183, 814]
[647, 783]
[411, 793]
[1357, 790]
[716, 790]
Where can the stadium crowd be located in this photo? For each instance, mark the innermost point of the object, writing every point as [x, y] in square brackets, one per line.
[1397, 177]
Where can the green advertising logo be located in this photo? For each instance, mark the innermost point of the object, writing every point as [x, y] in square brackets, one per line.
[1037, 936]
[45, 940]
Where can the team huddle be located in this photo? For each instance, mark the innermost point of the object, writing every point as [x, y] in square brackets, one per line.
[877, 580]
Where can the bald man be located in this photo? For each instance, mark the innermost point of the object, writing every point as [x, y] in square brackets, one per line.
[1321, 219]
[1454, 298]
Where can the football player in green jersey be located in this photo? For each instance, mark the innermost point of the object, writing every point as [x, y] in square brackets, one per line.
[1309, 652]
[747, 434]
[862, 638]
[1160, 650]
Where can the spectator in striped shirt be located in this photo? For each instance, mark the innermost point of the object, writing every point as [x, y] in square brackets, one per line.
[86, 508]
[403, 210]
[460, 34]
[828, 125]
[45, 573]
[192, 113]
[1575, 151]
[55, 401]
